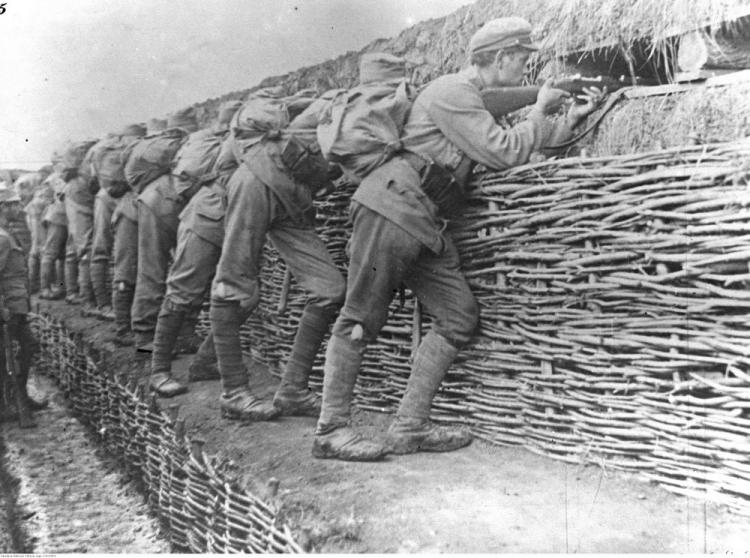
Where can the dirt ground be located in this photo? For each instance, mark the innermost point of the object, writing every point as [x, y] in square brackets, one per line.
[481, 499]
[68, 496]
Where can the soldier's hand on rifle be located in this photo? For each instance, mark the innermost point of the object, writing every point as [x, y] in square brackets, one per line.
[587, 103]
[549, 98]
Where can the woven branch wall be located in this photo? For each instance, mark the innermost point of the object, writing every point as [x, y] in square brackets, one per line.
[204, 504]
[614, 316]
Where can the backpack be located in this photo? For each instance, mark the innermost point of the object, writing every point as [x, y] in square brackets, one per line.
[74, 154]
[360, 129]
[152, 157]
[194, 162]
[108, 163]
[262, 117]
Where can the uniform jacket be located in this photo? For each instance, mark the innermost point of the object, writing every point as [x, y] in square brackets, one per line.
[448, 123]
[13, 273]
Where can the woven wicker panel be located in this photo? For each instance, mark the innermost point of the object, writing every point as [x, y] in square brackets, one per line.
[608, 288]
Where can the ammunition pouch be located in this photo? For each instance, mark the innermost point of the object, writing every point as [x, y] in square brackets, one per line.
[305, 162]
[116, 188]
[438, 184]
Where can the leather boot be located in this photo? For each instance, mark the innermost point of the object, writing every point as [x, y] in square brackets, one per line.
[188, 341]
[237, 401]
[85, 288]
[46, 275]
[240, 404]
[122, 301]
[204, 365]
[334, 438]
[34, 273]
[165, 337]
[293, 396]
[226, 320]
[412, 430]
[98, 273]
[71, 282]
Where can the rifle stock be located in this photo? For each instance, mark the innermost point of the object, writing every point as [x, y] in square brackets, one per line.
[500, 101]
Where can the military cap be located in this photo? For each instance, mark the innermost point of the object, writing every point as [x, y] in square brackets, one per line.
[138, 130]
[503, 32]
[381, 66]
[155, 125]
[183, 118]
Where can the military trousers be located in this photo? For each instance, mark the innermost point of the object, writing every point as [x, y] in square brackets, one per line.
[80, 230]
[55, 242]
[103, 236]
[382, 257]
[193, 269]
[254, 213]
[125, 240]
[158, 219]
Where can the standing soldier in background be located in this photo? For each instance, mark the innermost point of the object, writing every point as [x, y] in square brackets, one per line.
[55, 223]
[159, 208]
[125, 238]
[13, 292]
[111, 189]
[399, 235]
[199, 237]
[34, 194]
[270, 196]
[80, 190]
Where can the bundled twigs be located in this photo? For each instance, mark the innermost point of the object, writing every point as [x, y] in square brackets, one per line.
[614, 315]
[202, 503]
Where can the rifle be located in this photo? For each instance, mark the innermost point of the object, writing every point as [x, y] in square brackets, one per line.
[10, 379]
[500, 101]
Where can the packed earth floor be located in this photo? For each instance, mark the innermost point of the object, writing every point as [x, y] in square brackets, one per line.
[61, 494]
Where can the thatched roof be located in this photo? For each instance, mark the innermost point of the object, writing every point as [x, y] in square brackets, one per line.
[438, 46]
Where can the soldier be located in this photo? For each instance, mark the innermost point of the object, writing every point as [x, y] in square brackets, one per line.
[13, 291]
[35, 195]
[80, 191]
[55, 223]
[158, 217]
[399, 235]
[125, 253]
[266, 198]
[102, 245]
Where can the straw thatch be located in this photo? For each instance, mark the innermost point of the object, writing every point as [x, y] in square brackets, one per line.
[566, 27]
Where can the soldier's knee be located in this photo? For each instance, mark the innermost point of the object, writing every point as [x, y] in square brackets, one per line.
[463, 322]
[338, 293]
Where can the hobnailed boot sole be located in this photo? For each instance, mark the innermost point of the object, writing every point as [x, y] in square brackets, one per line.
[245, 416]
[307, 407]
[347, 446]
[443, 441]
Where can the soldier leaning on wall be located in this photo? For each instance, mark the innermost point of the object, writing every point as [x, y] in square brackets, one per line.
[399, 236]
[125, 246]
[158, 208]
[80, 192]
[107, 199]
[270, 197]
[13, 290]
[199, 238]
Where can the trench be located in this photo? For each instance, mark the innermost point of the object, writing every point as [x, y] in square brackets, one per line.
[13, 538]
[200, 502]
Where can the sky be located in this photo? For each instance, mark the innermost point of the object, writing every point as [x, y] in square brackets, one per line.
[80, 68]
